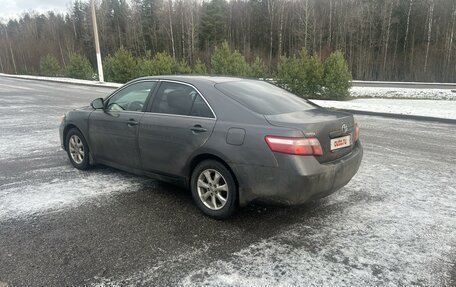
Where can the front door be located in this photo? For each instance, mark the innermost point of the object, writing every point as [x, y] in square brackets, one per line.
[179, 122]
[113, 131]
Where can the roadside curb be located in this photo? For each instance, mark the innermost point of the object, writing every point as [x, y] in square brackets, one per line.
[400, 116]
[64, 81]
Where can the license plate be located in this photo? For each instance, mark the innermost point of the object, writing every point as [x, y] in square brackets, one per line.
[341, 142]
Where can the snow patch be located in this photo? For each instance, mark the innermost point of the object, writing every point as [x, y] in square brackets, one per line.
[152, 273]
[393, 225]
[71, 188]
[403, 93]
[30, 143]
[64, 80]
[427, 108]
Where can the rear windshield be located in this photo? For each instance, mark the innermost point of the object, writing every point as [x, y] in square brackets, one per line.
[263, 98]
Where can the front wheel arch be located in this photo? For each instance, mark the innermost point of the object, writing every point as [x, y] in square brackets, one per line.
[67, 128]
[87, 161]
[65, 133]
[64, 136]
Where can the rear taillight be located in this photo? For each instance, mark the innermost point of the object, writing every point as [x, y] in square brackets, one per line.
[356, 133]
[297, 146]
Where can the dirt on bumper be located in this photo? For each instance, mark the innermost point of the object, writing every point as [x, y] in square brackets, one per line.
[296, 180]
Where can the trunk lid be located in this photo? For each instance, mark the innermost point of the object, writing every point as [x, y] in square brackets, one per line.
[320, 123]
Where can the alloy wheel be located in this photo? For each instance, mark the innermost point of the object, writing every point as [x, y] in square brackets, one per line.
[76, 149]
[212, 189]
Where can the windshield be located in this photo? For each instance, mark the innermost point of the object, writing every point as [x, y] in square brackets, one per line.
[263, 98]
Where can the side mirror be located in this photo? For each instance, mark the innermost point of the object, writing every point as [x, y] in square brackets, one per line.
[97, 104]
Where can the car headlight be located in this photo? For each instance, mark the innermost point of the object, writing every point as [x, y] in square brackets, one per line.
[62, 118]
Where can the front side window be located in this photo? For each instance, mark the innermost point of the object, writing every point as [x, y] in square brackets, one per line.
[179, 99]
[131, 98]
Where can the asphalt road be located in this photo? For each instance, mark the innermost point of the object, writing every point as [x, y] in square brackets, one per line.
[394, 224]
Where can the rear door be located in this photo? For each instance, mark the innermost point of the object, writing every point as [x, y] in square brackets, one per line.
[179, 121]
[113, 131]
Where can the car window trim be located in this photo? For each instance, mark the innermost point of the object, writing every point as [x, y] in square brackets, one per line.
[149, 108]
[146, 102]
[120, 111]
[176, 115]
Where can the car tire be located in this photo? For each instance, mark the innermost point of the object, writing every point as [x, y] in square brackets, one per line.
[77, 149]
[213, 189]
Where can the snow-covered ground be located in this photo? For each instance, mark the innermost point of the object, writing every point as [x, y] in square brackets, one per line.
[54, 189]
[392, 225]
[427, 108]
[403, 93]
[437, 103]
[29, 136]
[63, 80]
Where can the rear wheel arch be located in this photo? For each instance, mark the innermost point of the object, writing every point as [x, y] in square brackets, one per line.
[214, 187]
[208, 156]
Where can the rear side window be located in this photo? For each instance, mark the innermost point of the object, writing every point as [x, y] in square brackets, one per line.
[180, 99]
[200, 108]
[263, 98]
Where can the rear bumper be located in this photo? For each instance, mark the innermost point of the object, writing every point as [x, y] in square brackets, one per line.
[296, 180]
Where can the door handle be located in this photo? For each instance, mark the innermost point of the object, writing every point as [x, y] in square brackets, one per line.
[132, 122]
[198, 129]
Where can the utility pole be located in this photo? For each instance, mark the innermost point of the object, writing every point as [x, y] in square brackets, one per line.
[97, 43]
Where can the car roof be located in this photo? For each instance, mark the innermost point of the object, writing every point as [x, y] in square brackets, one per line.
[193, 79]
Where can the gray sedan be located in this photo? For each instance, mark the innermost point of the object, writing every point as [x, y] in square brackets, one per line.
[231, 141]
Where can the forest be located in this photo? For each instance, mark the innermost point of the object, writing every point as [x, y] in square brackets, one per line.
[397, 40]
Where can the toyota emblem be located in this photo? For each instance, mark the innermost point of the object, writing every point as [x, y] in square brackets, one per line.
[344, 128]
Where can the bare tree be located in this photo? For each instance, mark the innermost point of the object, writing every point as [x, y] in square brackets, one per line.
[271, 12]
[374, 35]
[430, 20]
[281, 20]
[170, 11]
[388, 26]
[11, 50]
[408, 24]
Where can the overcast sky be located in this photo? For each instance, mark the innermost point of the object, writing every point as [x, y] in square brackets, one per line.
[14, 8]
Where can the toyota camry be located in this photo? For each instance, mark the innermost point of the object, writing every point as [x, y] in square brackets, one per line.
[231, 141]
